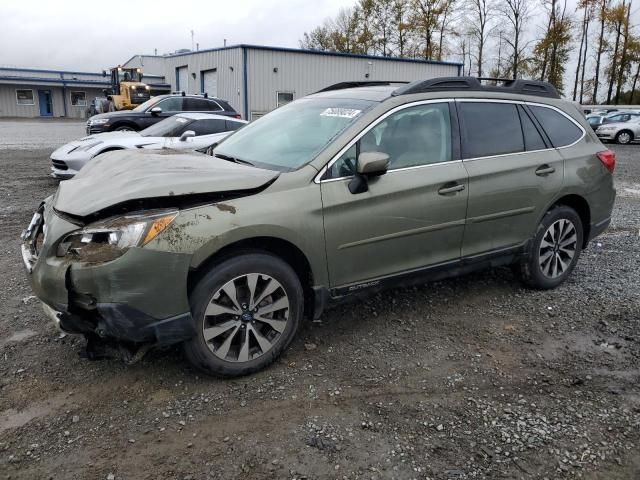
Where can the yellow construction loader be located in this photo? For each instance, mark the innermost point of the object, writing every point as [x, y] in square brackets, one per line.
[127, 90]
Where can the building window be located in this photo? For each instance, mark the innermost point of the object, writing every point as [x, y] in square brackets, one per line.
[78, 99]
[24, 97]
[283, 98]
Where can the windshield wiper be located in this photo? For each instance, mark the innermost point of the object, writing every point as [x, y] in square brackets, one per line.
[233, 159]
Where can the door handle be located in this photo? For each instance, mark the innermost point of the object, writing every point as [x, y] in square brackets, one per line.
[544, 170]
[458, 187]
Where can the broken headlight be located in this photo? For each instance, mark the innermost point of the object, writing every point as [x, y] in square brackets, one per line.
[109, 239]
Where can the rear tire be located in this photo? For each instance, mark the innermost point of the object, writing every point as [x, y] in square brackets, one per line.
[554, 250]
[246, 310]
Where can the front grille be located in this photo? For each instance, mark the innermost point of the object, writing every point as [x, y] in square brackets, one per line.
[139, 96]
[95, 129]
[33, 239]
[59, 164]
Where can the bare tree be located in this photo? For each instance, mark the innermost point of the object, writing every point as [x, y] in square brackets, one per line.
[584, 4]
[603, 7]
[589, 6]
[481, 26]
[624, 63]
[615, 18]
[551, 52]
[448, 10]
[425, 21]
[401, 29]
[517, 13]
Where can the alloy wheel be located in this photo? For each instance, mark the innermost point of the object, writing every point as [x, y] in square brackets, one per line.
[245, 317]
[624, 138]
[557, 248]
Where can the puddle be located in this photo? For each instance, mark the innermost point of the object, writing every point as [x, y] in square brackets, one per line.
[18, 337]
[12, 418]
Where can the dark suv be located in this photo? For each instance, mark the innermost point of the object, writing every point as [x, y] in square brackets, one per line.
[156, 109]
[343, 192]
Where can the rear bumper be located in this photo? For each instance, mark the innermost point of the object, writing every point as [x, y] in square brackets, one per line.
[597, 228]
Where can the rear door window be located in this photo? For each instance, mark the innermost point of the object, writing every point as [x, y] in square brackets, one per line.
[231, 125]
[208, 126]
[532, 138]
[560, 130]
[490, 128]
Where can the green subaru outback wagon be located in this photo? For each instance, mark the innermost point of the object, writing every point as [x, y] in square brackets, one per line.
[343, 192]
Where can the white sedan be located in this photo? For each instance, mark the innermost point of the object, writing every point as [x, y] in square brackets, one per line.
[184, 131]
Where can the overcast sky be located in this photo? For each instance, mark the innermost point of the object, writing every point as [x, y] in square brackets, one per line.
[82, 35]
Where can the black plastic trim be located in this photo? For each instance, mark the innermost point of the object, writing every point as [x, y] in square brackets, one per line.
[519, 86]
[438, 271]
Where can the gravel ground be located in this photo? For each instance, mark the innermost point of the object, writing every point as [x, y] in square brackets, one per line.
[473, 377]
[48, 133]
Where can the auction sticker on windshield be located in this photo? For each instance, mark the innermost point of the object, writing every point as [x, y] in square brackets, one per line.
[341, 112]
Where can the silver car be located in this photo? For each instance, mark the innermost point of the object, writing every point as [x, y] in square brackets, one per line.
[185, 131]
[620, 132]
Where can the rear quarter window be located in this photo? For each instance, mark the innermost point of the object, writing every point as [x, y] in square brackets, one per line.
[560, 130]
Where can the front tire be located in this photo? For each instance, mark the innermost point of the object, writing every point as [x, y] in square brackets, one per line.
[124, 128]
[247, 310]
[554, 250]
[624, 137]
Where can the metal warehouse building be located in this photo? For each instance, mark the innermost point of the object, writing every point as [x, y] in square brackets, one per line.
[254, 79]
[27, 92]
[257, 79]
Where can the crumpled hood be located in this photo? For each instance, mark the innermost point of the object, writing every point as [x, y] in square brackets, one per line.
[122, 176]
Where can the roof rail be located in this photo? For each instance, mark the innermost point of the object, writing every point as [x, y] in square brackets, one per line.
[354, 84]
[524, 87]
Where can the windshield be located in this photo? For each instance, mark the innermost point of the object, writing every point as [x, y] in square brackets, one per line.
[169, 127]
[291, 136]
[129, 75]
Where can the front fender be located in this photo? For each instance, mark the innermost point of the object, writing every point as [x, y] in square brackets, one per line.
[204, 231]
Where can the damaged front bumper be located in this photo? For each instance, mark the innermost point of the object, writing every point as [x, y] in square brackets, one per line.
[140, 297]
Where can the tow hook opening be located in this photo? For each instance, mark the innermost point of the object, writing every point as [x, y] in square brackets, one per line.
[99, 348]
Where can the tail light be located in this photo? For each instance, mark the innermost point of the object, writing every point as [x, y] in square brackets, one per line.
[237, 115]
[608, 159]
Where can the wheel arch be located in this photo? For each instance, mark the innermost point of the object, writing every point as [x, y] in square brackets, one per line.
[626, 130]
[124, 123]
[582, 208]
[283, 249]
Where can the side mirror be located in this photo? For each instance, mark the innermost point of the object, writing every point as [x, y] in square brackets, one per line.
[155, 110]
[187, 134]
[370, 164]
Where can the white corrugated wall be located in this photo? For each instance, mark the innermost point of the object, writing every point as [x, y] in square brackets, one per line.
[303, 73]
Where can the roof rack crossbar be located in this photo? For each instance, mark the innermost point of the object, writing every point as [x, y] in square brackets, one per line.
[505, 85]
[354, 84]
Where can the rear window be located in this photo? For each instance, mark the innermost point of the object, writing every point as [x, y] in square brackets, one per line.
[490, 129]
[560, 130]
[201, 105]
